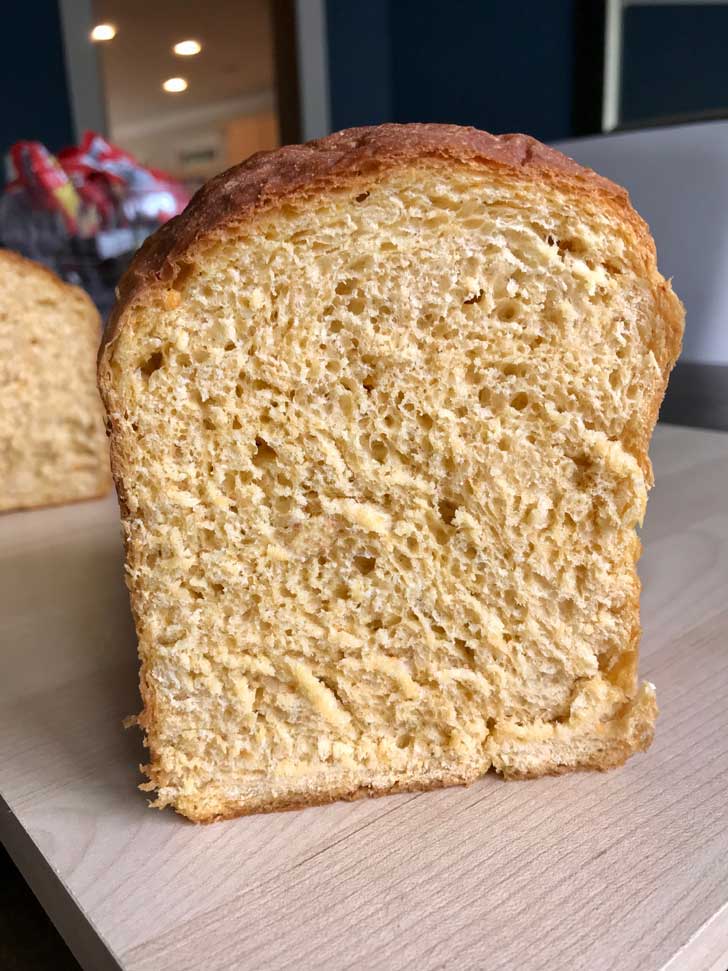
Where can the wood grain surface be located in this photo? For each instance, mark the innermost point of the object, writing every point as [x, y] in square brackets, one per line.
[627, 870]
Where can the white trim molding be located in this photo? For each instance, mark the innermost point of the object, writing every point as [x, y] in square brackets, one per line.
[245, 104]
[83, 73]
[612, 64]
[313, 68]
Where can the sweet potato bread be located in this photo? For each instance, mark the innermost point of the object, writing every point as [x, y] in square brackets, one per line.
[52, 443]
[380, 408]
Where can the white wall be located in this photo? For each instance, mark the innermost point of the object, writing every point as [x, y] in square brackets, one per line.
[678, 180]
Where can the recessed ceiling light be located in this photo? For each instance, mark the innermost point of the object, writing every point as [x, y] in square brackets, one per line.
[175, 85]
[103, 32]
[186, 48]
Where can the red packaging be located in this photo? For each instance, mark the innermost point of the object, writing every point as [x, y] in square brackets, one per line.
[33, 170]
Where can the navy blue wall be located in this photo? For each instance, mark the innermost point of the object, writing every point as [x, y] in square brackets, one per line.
[499, 66]
[360, 68]
[675, 61]
[496, 65]
[34, 100]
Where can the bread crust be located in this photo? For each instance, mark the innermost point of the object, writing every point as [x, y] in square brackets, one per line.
[347, 160]
[613, 760]
[15, 259]
[342, 794]
[611, 757]
[296, 171]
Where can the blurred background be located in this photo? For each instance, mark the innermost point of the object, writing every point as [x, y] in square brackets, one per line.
[176, 91]
[114, 111]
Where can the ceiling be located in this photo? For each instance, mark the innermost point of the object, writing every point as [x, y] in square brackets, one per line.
[236, 58]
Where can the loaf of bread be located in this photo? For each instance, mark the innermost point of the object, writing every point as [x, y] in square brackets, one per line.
[53, 446]
[380, 408]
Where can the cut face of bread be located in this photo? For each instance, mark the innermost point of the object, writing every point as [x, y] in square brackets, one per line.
[53, 447]
[380, 411]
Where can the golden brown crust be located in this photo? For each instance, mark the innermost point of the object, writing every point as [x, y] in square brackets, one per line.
[22, 262]
[611, 752]
[613, 758]
[286, 804]
[269, 178]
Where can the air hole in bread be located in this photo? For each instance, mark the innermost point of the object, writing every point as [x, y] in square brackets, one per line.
[264, 455]
[507, 310]
[184, 272]
[356, 305]
[153, 363]
[447, 511]
[513, 369]
[575, 246]
[379, 450]
[365, 564]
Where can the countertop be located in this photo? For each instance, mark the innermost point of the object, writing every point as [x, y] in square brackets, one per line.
[625, 870]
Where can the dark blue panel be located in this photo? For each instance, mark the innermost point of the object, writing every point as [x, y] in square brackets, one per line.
[358, 36]
[675, 61]
[34, 100]
[498, 65]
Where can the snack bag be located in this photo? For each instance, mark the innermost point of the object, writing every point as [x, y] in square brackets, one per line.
[33, 170]
[141, 192]
[85, 213]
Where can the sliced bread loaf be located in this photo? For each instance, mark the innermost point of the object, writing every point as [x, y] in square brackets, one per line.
[53, 446]
[380, 408]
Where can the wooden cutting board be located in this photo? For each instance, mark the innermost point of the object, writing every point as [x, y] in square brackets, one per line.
[627, 870]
